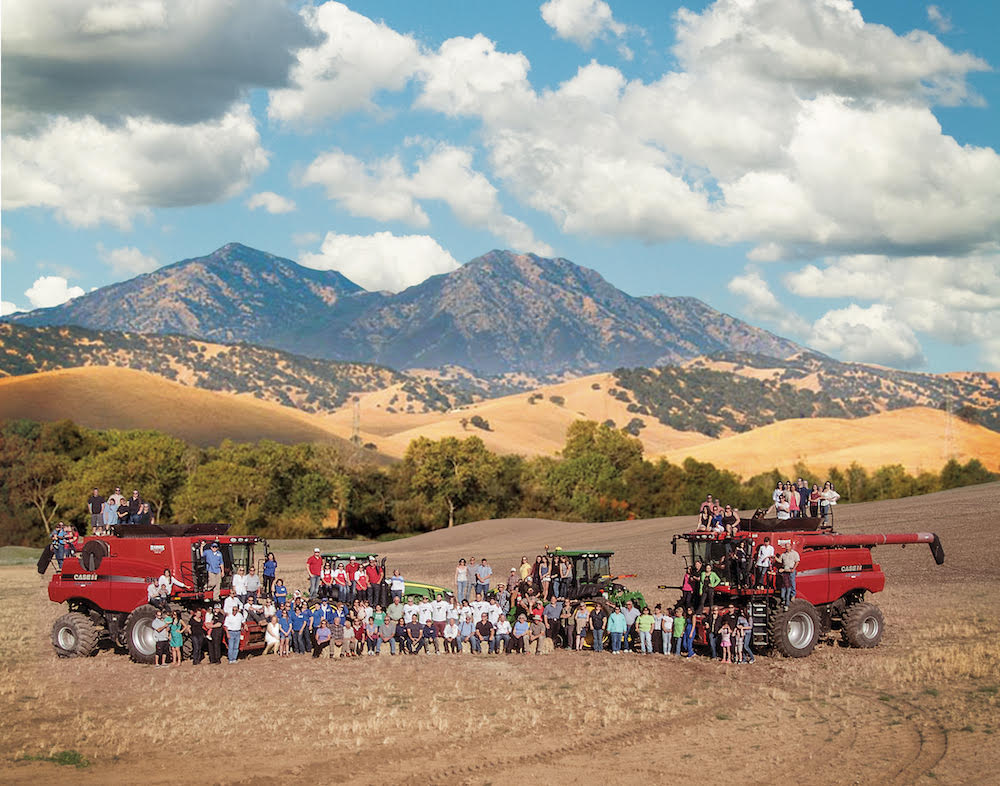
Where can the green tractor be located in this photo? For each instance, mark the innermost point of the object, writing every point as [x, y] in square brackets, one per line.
[593, 583]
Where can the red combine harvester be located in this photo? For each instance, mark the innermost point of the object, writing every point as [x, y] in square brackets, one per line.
[833, 577]
[105, 585]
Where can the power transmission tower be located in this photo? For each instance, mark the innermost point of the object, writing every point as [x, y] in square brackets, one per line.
[356, 426]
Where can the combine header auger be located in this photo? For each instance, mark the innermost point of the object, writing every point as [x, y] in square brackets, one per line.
[833, 578]
[105, 585]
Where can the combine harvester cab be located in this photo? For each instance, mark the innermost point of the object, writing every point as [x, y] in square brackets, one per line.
[833, 579]
[105, 585]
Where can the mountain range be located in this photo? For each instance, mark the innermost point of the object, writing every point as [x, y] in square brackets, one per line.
[500, 313]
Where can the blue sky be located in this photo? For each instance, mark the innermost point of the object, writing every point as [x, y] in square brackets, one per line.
[826, 170]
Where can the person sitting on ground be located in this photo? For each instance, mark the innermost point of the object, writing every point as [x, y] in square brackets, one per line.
[321, 638]
[451, 637]
[536, 634]
[414, 634]
[484, 635]
[272, 635]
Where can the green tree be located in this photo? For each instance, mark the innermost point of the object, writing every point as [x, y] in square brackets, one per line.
[221, 491]
[34, 481]
[450, 473]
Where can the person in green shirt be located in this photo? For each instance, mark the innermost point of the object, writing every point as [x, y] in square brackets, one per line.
[679, 624]
[709, 581]
[644, 625]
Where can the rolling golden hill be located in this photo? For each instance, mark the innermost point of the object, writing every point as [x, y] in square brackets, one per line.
[919, 438]
[106, 397]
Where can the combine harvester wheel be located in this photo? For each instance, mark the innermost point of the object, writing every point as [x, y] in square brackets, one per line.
[794, 633]
[863, 625]
[139, 638]
[74, 636]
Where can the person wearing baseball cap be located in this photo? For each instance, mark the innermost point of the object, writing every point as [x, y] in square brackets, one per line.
[315, 566]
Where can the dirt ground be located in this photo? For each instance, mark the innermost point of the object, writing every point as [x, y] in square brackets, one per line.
[922, 708]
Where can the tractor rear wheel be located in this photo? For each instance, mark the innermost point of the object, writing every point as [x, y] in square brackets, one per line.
[794, 633]
[74, 635]
[863, 625]
[139, 637]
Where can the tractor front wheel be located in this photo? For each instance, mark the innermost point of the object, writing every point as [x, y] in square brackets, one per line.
[140, 639]
[863, 625]
[794, 633]
[74, 635]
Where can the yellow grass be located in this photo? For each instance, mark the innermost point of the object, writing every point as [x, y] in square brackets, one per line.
[102, 397]
[916, 437]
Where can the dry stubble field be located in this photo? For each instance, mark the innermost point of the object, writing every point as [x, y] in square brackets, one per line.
[922, 708]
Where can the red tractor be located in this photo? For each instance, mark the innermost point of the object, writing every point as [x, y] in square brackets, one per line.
[832, 581]
[105, 585]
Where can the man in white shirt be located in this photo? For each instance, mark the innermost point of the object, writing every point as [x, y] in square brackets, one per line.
[479, 607]
[233, 625]
[409, 609]
[232, 603]
[764, 556]
[424, 611]
[502, 636]
[495, 612]
[439, 613]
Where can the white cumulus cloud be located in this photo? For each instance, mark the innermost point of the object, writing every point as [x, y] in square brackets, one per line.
[6, 307]
[271, 202]
[90, 173]
[385, 191]
[938, 18]
[128, 260]
[760, 301]
[869, 335]
[354, 59]
[581, 21]
[382, 261]
[50, 291]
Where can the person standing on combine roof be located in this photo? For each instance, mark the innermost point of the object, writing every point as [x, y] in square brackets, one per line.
[134, 505]
[314, 567]
[483, 575]
[110, 517]
[214, 566]
[827, 499]
[95, 504]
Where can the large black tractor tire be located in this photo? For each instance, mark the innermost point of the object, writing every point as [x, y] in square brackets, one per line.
[863, 625]
[75, 635]
[139, 639]
[794, 633]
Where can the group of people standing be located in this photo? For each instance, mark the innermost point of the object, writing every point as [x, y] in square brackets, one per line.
[798, 500]
[116, 509]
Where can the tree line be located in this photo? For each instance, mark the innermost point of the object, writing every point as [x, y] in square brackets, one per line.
[312, 490]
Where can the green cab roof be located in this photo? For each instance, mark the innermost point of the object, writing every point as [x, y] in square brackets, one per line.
[579, 552]
[358, 555]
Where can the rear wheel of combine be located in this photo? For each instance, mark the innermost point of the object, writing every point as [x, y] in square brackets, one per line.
[74, 635]
[863, 625]
[794, 633]
[140, 640]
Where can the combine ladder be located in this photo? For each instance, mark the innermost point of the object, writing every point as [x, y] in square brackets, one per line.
[758, 621]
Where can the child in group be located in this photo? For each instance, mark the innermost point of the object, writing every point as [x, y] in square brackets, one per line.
[726, 634]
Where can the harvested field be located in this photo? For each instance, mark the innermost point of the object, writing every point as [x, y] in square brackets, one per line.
[922, 708]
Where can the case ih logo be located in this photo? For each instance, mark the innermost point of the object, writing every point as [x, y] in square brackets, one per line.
[84, 577]
[156, 548]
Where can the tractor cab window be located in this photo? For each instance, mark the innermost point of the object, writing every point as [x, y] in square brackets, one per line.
[591, 569]
[239, 556]
[709, 551]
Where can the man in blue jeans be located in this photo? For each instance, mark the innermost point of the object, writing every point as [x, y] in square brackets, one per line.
[597, 619]
[213, 563]
[483, 575]
[233, 625]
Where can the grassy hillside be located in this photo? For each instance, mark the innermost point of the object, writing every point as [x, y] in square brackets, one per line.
[919, 438]
[126, 399]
